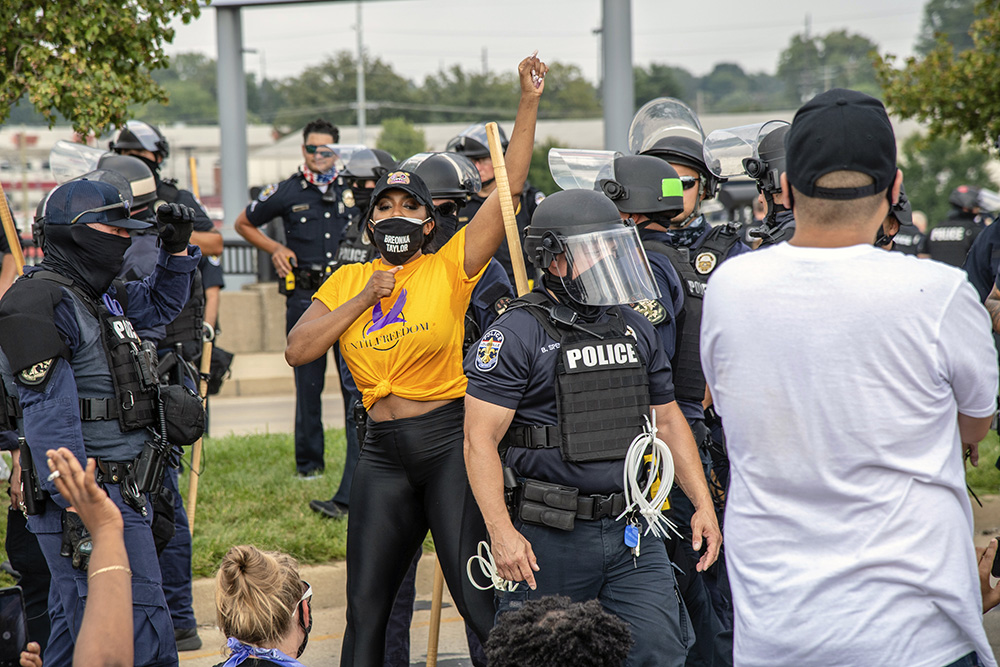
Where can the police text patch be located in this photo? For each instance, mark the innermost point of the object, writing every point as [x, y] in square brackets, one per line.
[488, 353]
[584, 356]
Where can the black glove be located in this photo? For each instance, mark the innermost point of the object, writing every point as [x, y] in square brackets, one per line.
[76, 542]
[175, 222]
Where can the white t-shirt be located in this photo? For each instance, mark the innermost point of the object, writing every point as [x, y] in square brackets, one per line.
[838, 374]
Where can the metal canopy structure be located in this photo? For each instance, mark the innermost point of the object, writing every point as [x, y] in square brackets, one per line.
[616, 52]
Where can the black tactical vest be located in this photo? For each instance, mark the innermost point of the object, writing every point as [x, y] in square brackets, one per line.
[355, 247]
[689, 379]
[602, 387]
[188, 326]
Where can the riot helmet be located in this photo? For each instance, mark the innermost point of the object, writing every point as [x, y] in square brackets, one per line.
[448, 175]
[687, 152]
[645, 184]
[472, 142]
[964, 196]
[141, 136]
[368, 165]
[142, 185]
[603, 263]
[902, 210]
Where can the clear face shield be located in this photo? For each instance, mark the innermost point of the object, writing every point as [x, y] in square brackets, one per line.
[362, 163]
[580, 168]
[465, 170]
[735, 151]
[68, 160]
[661, 118]
[607, 268]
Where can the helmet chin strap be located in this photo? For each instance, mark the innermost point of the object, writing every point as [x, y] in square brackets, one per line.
[696, 211]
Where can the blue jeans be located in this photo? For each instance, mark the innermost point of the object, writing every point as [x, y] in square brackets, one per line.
[593, 563]
[970, 660]
[309, 381]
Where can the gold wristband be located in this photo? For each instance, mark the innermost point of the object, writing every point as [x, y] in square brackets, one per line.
[109, 568]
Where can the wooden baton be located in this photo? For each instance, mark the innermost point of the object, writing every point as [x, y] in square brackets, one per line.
[507, 208]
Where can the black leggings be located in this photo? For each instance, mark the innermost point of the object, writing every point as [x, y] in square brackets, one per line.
[410, 477]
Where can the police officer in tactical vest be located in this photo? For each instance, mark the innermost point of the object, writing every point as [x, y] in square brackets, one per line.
[472, 143]
[85, 381]
[316, 206]
[898, 232]
[951, 239]
[563, 382]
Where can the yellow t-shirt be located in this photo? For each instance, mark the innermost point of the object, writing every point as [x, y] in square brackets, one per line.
[409, 344]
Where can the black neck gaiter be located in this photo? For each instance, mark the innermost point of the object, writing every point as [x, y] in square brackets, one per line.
[555, 285]
[90, 258]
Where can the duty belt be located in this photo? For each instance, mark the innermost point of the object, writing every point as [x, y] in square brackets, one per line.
[557, 506]
[99, 409]
[594, 507]
[532, 437]
[122, 473]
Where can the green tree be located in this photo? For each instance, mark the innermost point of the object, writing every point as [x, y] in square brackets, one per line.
[954, 94]
[932, 168]
[89, 61]
[839, 59]
[568, 94]
[192, 92]
[660, 80]
[947, 19]
[400, 138]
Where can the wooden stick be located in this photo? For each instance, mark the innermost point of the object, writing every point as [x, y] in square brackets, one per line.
[206, 367]
[434, 632]
[507, 207]
[193, 170]
[10, 231]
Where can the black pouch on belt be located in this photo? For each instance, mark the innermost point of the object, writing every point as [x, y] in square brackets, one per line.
[184, 413]
[360, 422]
[547, 504]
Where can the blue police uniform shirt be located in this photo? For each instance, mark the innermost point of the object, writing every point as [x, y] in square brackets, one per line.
[315, 219]
[483, 304]
[983, 260]
[154, 300]
[522, 377]
[671, 301]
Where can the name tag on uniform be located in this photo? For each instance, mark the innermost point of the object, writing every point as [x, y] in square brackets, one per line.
[585, 356]
[300, 207]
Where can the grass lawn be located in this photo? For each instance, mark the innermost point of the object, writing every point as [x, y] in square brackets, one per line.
[249, 493]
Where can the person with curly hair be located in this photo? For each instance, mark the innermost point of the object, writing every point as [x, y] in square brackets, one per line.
[554, 632]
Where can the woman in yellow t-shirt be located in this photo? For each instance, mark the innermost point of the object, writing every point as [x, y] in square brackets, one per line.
[400, 324]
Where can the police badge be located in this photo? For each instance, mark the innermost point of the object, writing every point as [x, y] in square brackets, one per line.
[348, 198]
[705, 262]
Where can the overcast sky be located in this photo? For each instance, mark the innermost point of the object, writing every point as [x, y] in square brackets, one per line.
[419, 37]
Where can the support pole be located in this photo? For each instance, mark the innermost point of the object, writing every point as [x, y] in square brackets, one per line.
[232, 115]
[619, 87]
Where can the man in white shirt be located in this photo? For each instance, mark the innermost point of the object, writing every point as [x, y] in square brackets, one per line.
[848, 380]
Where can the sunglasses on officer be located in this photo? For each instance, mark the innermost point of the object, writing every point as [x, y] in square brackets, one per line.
[322, 151]
[688, 182]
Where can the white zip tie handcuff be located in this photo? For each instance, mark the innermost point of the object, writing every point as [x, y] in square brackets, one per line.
[488, 567]
[636, 495]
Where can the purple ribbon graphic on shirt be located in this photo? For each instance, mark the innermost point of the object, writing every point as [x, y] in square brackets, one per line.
[394, 316]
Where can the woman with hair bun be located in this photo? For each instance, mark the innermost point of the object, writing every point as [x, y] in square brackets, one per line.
[263, 607]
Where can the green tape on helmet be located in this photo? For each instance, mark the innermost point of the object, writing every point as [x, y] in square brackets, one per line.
[671, 187]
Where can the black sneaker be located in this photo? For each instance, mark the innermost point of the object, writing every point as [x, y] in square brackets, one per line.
[329, 508]
[187, 639]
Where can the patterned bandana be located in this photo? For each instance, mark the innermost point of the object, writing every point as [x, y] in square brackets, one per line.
[318, 179]
[688, 235]
[241, 652]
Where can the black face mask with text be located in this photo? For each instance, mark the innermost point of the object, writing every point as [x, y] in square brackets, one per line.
[397, 239]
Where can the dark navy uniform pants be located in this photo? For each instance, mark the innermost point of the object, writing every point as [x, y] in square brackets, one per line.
[175, 562]
[309, 381]
[151, 625]
[591, 562]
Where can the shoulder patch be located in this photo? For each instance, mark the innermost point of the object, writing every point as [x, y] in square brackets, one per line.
[539, 196]
[488, 353]
[36, 374]
[215, 260]
[267, 192]
[652, 310]
[501, 304]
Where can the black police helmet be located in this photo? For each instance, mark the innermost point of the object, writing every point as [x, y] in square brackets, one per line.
[964, 196]
[448, 176]
[566, 214]
[138, 175]
[770, 162]
[472, 142]
[644, 184]
[688, 152]
[369, 165]
[139, 135]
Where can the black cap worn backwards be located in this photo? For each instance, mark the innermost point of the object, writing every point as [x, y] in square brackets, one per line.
[840, 130]
[407, 182]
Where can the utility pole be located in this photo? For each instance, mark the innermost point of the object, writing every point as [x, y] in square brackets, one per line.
[362, 119]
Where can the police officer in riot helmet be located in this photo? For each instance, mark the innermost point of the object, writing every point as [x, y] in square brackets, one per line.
[176, 341]
[563, 382]
[951, 239]
[472, 143]
[85, 381]
[766, 169]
